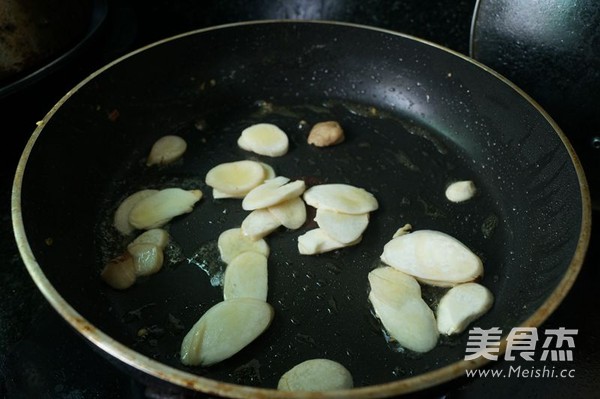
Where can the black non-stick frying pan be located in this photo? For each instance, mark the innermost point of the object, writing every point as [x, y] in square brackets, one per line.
[417, 117]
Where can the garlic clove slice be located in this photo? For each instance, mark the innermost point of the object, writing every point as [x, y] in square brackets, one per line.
[224, 330]
[259, 223]
[158, 237]
[269, 171]
[121, 218]
[233, 242]
[406, 229]
[264, 139]
[147, 258]
[272, 192]
[341, 198]
[342, 227]
[461, 305]
[408, 320]
[316, 241]
[432, 255]
[221, 195]
[291, 213]
[235, 178]
[388, 283]
[158, 209]
[461, 191]
[246, 276]
[166, 149]
[119, 273]
[316, 375]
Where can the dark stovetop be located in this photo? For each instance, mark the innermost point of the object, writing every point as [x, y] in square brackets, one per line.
[43, 357]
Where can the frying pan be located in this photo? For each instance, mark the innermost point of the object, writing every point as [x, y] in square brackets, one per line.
[417, 117]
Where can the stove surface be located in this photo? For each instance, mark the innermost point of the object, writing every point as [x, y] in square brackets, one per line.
[41, 356]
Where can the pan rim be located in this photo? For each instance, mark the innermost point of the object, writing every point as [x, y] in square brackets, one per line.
[198, 383]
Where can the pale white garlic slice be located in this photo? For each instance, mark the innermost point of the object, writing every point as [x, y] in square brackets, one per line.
[316, 241]
[119, 273]
[259, 223]
[264, 139]
[396, 299]
[233, 242]
[157, 236]
[432, 255]
[316, 375]
[166, 149]
[341, 198]
[235, 178]
[147, 258]
[158, 209]
[269, 174]
[342, 227]
[291, 213]
[224, 330]
[121, 218]
[272, 192]
[461, 191]
[403, 230]
[246, 276]
[461, 305]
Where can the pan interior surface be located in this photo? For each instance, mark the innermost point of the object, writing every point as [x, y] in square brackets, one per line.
[416, 118]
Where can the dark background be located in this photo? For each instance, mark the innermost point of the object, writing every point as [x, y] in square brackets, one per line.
[42, 357]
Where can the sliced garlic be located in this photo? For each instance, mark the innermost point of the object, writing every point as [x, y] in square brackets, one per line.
[316, 241]
[461, 305]
[246, 276]
[387, 282]
[166, 149]
[147, 258]
[264, 139]
[291, 213]
[461, 191]
[221, 195]
[158, 237]
[224, 330]
[402, 230]
[272, 192]
[432, 255]
[324, 134]
[269, 171]
[259, 223]
[269, 174]
[342, 227]
[341, 198]
[235, 178]
[407, 319]
[121, 218]
[233, 242]
[316, 375]
[119, 273]
[158, 209]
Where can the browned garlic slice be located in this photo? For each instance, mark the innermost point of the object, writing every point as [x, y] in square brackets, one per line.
[324, 134]
[272, 192]
[403, 313]
[461, 305]
[233, 242]
[235, 178]
[166, 149]
[264, 139]
[158, 209]
[119, 273]
[461, 191]
[291, 213]
[224, 330]
[341, 198]
[342, 227]
[158, 237]
[316, 241]
[316, 375]
[147, 258]
[246, 276]
[434, 256]
[121, 218]
[259, 223]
